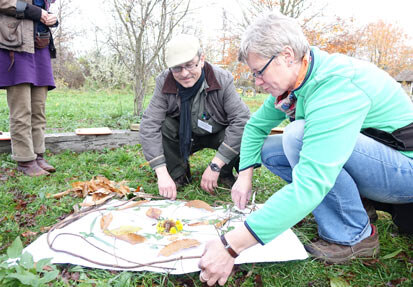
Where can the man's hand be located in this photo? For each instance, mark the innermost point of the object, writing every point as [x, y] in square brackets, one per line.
[242, 188]
[210, 178]
[48, 19]
[166, 184]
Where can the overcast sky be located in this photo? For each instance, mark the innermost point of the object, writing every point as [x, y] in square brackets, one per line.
[399, 12]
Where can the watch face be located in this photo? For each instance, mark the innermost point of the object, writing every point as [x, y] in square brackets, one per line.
[214, 167]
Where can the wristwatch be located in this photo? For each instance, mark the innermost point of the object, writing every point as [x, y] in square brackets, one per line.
[214, 167]
[228, 247]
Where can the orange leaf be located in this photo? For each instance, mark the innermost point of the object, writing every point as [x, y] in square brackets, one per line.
[61, 194]
[133, 204]
[178, 245]
[29, 233]
[154, 213]
[221, 223]
[199, 204]
[105, 221]
[131, 238]
[205, 222]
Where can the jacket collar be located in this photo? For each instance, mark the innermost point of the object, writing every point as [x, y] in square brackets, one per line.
[169, 87]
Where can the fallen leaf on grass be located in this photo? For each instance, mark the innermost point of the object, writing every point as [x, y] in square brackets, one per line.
[154, 213]
[178, 245]
[99, 185]
[133, 204]
[199, 204]
[45, 229]
[338, 282]
[29, 233]
[98, 202]
[105, 221]
[61, 194]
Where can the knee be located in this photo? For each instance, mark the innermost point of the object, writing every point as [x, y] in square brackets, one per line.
[272, 146]
[293, 133]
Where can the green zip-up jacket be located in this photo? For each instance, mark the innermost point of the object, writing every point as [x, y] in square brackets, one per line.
[340, 97]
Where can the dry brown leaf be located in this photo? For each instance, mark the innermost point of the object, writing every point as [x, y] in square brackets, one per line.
[61, 194]
[178, 245]
[133, 204]
[199, 204]
[221, 223]
[173, 238]
[154, 213]
[98, 202]
[29, 233]
[205, 222]
[132, 238]
[105, 221]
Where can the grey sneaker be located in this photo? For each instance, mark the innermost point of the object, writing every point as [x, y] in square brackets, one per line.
[336, 253]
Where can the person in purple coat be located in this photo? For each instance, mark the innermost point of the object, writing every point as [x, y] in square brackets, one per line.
[26, 49]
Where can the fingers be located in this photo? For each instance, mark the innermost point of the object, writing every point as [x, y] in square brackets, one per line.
[168, 191]
[209, 180]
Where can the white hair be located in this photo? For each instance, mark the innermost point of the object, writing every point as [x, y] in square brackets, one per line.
[270, 34]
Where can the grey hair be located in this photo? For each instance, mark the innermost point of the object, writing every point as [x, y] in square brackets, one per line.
[270, 34]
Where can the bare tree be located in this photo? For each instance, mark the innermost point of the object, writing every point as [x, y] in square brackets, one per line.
[62, 34]
[142, 29]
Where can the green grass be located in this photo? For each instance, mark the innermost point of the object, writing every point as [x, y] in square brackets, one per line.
[24, 205]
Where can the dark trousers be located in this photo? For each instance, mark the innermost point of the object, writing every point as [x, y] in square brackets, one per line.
[175, 163]
[402, 214]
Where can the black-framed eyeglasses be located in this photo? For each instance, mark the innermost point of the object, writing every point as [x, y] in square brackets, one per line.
[260, 72]
[189, 67]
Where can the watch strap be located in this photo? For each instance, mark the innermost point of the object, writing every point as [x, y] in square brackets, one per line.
[228, 247]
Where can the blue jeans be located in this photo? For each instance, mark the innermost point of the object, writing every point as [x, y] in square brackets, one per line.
[373, 171]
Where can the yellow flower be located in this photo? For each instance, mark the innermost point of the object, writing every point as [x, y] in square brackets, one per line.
[178, 225]
[169, 226]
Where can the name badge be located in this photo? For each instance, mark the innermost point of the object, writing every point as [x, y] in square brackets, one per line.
[204, 126]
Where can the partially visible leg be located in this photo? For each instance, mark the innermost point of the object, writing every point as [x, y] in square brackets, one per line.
[384, 176]
[19, 101]
[273, 157]
[38, 118]
[38, 105]
[341, 217]
[175, 163]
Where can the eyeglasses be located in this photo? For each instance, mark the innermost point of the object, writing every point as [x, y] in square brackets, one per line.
[260, 73]
[189, 67]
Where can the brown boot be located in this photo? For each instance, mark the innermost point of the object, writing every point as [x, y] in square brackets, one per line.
[336, 253]
[31, 168]
[44, 164]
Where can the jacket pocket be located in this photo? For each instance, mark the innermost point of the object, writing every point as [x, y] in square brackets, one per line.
[11, 32]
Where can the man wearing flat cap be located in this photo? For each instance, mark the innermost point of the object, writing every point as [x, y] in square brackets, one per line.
[194, 106]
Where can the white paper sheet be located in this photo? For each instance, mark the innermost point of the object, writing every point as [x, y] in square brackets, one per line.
[284, 248]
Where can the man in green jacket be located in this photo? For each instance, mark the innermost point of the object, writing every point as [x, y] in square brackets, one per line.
[194, 106]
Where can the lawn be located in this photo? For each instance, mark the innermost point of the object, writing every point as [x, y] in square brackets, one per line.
[27, 211]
